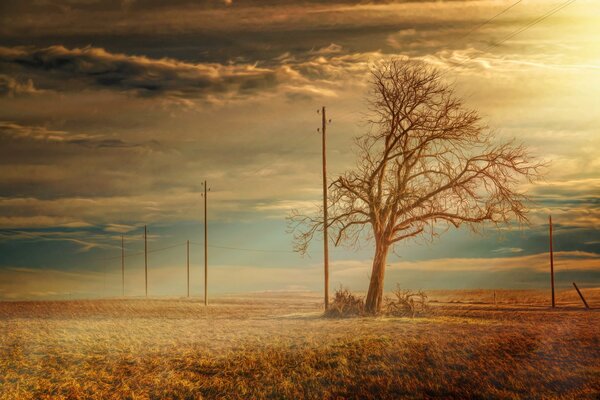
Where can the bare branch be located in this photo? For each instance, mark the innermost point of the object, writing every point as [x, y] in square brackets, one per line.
[428, 161]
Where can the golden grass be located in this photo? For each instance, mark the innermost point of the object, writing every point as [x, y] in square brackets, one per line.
[278, 346]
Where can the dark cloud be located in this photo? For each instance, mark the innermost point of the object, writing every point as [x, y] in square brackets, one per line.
[84, 67]
[140, 5]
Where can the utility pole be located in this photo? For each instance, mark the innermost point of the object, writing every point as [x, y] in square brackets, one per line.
[325, 219]
[587, 307]
[205, 247]
[146, 257]
[122, 266]
[552, 264]
[188, 268]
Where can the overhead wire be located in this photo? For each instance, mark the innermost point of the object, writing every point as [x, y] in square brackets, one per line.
[511, 35]
[244, 249]
[476, 28]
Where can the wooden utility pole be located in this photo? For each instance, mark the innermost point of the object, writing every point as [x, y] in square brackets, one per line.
[104, 280]
[581, 296]
[205, 247]
[325, 219]
[188, 268]
[552, 264]
[146, 258]
[122, 266]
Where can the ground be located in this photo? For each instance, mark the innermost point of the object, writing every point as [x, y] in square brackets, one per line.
[278, 345]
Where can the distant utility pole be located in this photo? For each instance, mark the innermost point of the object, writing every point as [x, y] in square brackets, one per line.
[325, 219]
[551, 264]
[205, 246]
[146, 257]
[188, 268]
[122, 266]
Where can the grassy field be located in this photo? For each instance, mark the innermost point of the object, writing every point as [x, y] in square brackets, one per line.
[279, 346]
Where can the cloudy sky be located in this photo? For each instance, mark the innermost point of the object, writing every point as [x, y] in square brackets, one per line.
[113, 113]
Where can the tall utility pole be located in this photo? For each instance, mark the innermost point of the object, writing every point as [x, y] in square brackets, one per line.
[325, 219]
[205, 248]
[551, 264]
[146, 258]
[188, 268]
[122, 266]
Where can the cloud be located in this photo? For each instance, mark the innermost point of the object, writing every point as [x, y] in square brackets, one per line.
[84, 240]
[40, 221]
[331, 49]
[43, 134]
[40, 133]
[11, 87]
[119, 228]
[142, 75]
[572, 203]
[564, 260]
[508, 250]
[69, 17]
[469, 60]
[315, 73]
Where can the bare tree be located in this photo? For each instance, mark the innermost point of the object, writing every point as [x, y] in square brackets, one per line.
[426, 165]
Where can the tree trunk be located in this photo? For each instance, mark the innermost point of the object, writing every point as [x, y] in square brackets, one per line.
[375, 294]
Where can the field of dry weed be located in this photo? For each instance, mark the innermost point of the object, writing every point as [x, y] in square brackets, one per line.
[279, 346]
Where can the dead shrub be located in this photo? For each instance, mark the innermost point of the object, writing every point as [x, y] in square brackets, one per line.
[406, 303]
[345, 304]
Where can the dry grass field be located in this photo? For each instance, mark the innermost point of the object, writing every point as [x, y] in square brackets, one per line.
[279, 346]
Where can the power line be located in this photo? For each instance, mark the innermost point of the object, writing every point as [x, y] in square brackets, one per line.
[244, 249]
[40, 236]
[344, 116]
[533, 23]
[488, 21]
[511, 35]
[175, 245]
[139, 253]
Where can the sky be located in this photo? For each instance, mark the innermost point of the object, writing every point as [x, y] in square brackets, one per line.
[113, 113]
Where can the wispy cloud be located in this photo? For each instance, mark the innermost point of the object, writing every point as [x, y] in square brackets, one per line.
[509, 250]
[83, 239]
[119, 228]
[41, 133]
